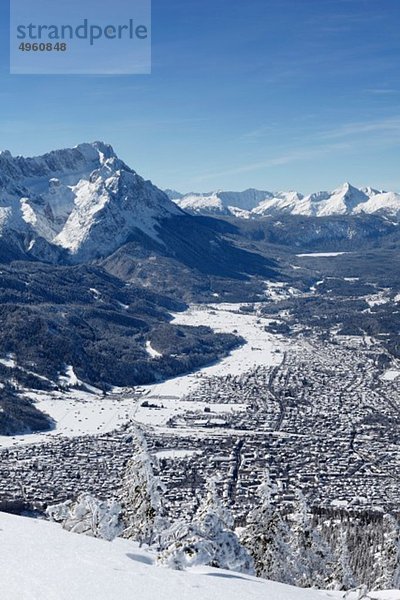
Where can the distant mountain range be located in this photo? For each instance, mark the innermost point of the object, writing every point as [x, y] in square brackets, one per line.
[345, 200]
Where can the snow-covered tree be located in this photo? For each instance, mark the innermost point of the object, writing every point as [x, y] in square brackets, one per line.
[342, 575]
[389, 555]
[141, 497]
[208, 540]
[312, 555]
[213, 503]
[88, 515]
[266, 536]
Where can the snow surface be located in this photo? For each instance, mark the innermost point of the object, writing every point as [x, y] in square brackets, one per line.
[204, 205]
[9, 362]
[150, 350]
[69, 379]
[321, 254]
[76, 413]
[237, 203]
[277, 291]
[175, 453]
[41, 561]
[377, 299]
[390, 374]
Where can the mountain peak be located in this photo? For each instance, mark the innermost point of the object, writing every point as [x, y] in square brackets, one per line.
[347, 187]
[92, 150]
[84, 199]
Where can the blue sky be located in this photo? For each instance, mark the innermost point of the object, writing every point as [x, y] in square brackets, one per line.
[274, 94]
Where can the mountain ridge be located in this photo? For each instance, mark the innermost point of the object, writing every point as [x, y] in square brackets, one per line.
[344, 200]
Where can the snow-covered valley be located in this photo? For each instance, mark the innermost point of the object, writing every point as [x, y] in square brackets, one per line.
[78, 412]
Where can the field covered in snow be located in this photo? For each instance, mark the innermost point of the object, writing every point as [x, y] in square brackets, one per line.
[321, 254]
[41, 561]
[76, 413]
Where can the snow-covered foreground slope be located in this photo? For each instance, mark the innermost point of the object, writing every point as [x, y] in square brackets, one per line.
[41, 561]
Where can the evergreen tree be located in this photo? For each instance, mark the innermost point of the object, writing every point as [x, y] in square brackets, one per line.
[342, 576]
[142, 490]
[389, 555]
[266, 536]
[313, 558]
[208, 540]
[88, 516]
[214, 504]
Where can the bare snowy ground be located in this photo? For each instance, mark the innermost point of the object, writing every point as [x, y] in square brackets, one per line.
[153, 353]
[391, 374]
[77, 413]
[322, 254]
[41, 561]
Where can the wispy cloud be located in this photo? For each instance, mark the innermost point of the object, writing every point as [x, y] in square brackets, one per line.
[347, 137]
[361, 128]
[259, 132]
[382, 91]
[300, 154]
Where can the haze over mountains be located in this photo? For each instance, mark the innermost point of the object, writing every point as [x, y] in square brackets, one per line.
[251, 203]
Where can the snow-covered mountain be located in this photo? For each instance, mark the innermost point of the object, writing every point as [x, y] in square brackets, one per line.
[41, 560]
[220, 202]
[281, 202]
[204, 205]
[84, 200]
[345, 200]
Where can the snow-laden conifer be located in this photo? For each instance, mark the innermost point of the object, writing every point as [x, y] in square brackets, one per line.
[342, 575]
[312, 556]
[209, 539]
[88, 515]
[142, 494]
[266, 535]
[388, 557]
